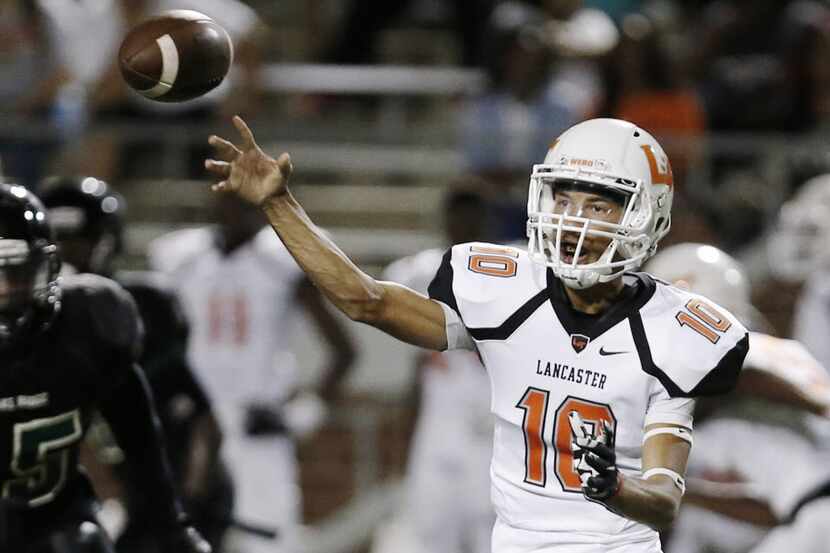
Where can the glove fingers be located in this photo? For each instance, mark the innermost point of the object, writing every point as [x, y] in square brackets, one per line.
[602, 450]
[598, 463]
[607, 434]
[577, 426]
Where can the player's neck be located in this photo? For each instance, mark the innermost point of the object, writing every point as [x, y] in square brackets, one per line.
[597, 298]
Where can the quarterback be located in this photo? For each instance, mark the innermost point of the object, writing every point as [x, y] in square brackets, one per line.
[593, 368]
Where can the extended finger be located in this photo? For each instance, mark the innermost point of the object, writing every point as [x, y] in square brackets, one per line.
[219, 168]
[225, 149]
[577, 426]
[603, 451]
[285, 165]
[248, 142]
[608, 433]
[223, 186]
[598, 463]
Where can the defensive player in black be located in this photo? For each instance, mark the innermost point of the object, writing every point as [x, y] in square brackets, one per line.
[69, 347]
[87, 218]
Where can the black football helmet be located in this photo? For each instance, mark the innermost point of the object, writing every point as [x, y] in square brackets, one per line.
[29, 265]
[87, 218]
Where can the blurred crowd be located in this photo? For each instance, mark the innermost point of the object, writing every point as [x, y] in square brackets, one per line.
[691, 72]
[683, 70]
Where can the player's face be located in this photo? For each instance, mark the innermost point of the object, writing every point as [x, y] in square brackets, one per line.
[17, 282]
[238, 221]
[596, 205]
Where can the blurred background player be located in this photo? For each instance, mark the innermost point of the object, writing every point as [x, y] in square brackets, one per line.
[447, 496]
[88, 221]
[70, 348]
[777, 422]
[242, 320]
[799, 250]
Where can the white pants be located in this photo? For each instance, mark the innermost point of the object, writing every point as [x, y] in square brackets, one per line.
[507, 539]
[808, 533]
[267, 492]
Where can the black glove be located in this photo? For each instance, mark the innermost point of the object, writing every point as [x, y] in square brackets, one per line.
[603, 482]
[262, 420]
[186, 539]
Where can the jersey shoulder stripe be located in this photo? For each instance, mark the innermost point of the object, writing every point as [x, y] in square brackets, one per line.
[693, 346]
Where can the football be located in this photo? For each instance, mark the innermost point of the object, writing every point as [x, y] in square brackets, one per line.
[176, 56]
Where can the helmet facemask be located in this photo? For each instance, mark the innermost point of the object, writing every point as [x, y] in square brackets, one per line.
[29, 290]
[566, 236]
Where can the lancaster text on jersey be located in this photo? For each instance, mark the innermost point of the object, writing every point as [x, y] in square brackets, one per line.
[587, 377]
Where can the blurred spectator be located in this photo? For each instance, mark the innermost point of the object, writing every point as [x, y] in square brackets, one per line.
[646, 86]
[34, 76]
[447, 505]
[243, 294]
[797, 251]
[753, 67]
[510, 126]
[580, 38]
[357, 40]
[110, 100]
[616, 9]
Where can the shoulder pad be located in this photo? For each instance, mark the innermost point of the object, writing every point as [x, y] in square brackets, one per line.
[157, 302]
[169, 252]
[108, 309]
[693, 346]
[487, 283]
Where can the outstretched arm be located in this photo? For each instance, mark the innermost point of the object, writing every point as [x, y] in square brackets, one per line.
[262, 180]
[735, 500]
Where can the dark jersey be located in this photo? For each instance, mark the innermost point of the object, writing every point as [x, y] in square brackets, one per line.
[179, 398]
[49, 388]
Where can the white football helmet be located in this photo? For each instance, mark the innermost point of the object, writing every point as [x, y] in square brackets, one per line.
[704, 270]
[613, 156]
[798, 245]
[713, 273]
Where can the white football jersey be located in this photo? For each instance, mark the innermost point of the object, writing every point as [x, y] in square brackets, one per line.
[241, 313]
[638, 363]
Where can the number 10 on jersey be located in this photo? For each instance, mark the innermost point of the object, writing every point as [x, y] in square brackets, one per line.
[535, 403]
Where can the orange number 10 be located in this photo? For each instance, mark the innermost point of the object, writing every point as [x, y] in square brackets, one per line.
[535, 405]
[704, 319]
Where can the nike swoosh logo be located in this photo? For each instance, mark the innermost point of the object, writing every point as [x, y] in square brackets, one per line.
[603, 352]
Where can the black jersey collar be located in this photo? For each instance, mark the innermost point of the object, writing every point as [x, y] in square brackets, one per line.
[638, 289]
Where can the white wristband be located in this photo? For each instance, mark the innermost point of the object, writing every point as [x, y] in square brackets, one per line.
[680, 432]
[678, 480]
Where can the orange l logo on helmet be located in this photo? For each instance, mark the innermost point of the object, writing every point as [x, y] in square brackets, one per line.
[658, 175]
